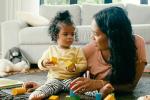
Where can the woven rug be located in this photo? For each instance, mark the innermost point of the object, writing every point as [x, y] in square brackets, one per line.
[143, 87]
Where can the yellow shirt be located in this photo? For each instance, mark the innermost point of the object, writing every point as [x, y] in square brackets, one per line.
[73, 54]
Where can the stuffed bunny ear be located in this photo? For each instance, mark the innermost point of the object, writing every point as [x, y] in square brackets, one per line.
[24, 57]
[8, 55]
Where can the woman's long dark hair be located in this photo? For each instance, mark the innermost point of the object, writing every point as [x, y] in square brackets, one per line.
[115, 24]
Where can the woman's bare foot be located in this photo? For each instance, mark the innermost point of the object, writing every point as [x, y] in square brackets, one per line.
[147, 97]
[108, 88]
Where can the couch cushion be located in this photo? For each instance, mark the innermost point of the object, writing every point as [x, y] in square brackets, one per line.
[51, 10]
[34, 35]
[33, 52]
[33, 19]
[88, 10]
[39, 35]
[138, 14]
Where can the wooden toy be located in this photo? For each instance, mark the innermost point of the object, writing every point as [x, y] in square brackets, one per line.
[72, 98]
[53, 97]
[69, 64]
[53, 60]
[71, 93]
[17, 91]
[110, 97]
[98, 96]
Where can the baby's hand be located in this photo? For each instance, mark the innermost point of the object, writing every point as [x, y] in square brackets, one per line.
[46, 63]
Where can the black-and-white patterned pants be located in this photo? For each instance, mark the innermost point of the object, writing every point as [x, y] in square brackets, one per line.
[53, 86]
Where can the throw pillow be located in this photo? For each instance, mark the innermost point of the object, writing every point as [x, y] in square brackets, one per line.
[33, 19]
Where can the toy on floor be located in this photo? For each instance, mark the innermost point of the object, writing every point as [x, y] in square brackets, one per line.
[18, 91]
[72, 95]
[110, 97]
[53, 97]
[98, 96]
[7, 67]
[72, 98]
[15, 55]
[14, 61]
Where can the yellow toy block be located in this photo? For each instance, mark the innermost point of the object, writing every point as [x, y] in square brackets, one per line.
[69, 64]
[53, 60]
[110, 97]
[53, 97]
[17, 91]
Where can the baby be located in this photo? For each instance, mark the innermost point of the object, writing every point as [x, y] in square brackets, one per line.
[63, 62]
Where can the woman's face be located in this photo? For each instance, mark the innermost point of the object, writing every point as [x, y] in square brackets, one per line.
[101, 41]
[66, 35]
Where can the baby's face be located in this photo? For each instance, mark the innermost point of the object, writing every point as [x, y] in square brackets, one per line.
[66, 35]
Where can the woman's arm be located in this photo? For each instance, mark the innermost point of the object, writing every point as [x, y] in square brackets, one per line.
[131, 87]
[81, 63]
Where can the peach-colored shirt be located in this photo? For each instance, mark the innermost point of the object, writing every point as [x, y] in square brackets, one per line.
[99, 68]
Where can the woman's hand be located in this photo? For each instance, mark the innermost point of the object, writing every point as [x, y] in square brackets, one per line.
[86, 74]
[30, 86]
[81, 85]
[107, 89]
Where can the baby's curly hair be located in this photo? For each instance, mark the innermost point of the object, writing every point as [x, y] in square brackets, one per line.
[62, 17]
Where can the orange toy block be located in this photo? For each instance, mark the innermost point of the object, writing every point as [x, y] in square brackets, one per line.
[110, 97]
[17, 91]
[53, 97]
[53, 60]
[69, 64]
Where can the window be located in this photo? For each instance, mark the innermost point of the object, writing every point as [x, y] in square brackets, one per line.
[62, 2]
[55, 2]
[90, 1]
[131, 1]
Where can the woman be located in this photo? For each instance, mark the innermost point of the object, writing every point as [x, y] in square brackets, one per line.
[117, 58]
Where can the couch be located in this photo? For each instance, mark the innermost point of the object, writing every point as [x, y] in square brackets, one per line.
[34, 40]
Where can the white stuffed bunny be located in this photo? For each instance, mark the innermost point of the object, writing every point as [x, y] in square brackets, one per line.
[7, 67]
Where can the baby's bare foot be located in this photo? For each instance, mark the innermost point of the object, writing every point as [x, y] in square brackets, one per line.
[36, 96]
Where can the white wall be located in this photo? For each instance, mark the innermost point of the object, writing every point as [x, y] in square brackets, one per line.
[2, 17]
[13, 6]
[27, 5]
[8, 9]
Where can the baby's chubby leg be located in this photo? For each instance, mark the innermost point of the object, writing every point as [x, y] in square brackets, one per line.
[51, 87]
